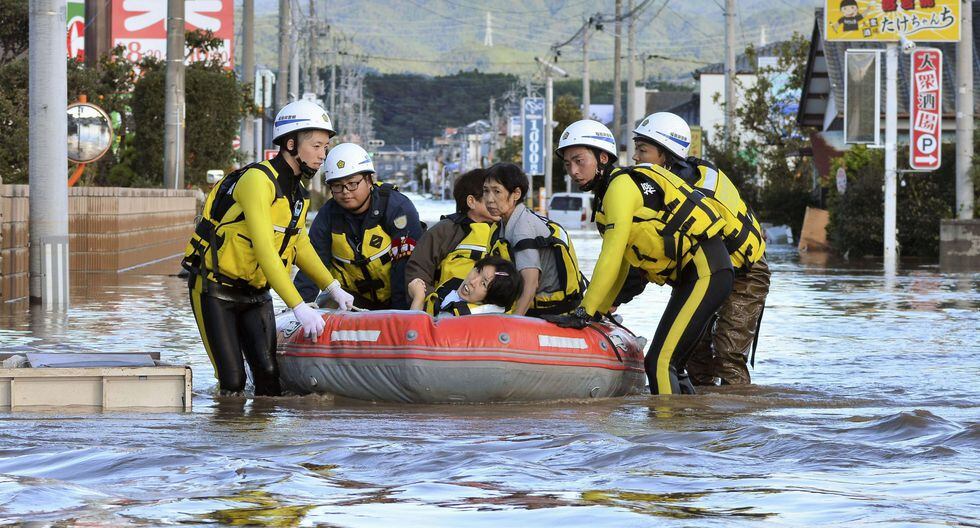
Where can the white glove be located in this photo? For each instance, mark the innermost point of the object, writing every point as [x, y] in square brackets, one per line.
[344, 300]
[311, 320]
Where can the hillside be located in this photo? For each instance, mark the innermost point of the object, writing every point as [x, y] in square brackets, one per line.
[445, 36]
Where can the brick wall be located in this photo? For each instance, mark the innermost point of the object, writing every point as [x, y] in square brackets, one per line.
[110, 229]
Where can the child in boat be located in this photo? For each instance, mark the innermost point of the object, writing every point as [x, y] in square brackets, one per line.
[492, 286]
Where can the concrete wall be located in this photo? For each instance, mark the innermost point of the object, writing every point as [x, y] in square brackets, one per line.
[110, 229]
[959, 245]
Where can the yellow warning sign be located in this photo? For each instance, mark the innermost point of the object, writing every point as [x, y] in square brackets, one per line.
[886, 20]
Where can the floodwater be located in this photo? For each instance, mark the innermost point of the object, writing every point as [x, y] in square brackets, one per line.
[864, 411]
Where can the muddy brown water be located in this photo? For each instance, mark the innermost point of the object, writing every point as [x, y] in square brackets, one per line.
[864, 411]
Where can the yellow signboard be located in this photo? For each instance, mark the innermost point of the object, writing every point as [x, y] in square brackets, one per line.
[695, 149]
[886, 20]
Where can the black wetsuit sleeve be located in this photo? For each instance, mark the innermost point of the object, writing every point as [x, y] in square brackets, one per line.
[320, 239]
[403, 241]
[636, 282]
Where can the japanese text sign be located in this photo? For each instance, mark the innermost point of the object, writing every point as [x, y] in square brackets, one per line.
[925, 109]
[886, 20]
[141, 26]
[532, 116]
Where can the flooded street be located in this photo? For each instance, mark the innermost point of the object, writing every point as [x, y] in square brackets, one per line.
[864, 410]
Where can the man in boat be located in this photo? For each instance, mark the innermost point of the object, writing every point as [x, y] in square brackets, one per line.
[365, 232]
[540, 248]
[250, 234]
[649, 219]
[722, 355]
[449, 249]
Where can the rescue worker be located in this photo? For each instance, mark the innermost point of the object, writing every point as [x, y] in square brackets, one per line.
[540, 248]
[649, 219]
[364, 233]
[449, 249]
[250, 234]
[491, 286]
[722, 355]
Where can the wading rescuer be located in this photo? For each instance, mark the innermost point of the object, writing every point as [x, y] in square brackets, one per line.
[365, 232]
[652, 220]
[722, 354]
[251, 232]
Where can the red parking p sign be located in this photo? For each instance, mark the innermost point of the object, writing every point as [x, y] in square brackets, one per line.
[925, 109]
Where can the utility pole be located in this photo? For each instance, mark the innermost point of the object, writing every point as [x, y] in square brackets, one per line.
[96, 32]
[311, 49]
[173, 143]
[549, 121]
[729, 68]
[48, 153]
[285, 35]
[964, 114]
[586, 93]
[630, 113]
[248, 76]
[891, 165]
[618, 77]
[294, 93]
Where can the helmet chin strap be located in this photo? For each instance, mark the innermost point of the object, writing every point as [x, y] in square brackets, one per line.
[305, 170]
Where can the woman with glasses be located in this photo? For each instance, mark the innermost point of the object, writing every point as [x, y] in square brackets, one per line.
[364, 233]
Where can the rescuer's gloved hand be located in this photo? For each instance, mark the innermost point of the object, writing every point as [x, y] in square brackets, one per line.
[577, 319]
[311, 320]
[335, 293]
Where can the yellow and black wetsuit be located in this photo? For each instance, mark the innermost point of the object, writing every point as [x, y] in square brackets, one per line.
[251, 233]
[650, 219]
[722, 354]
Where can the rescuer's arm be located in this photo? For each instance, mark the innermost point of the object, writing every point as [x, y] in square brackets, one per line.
[622, 199]
[406, 230]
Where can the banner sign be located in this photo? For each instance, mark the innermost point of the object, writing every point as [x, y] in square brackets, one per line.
[885, 20]
[532, 120]
[75, 16]
[141, 27]
[925, 109]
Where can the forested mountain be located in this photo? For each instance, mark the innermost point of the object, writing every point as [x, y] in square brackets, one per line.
[440, 37]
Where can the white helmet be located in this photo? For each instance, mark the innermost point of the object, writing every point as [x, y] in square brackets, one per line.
[588, 133]
[301, 115]
[667, 130]
[346, 159]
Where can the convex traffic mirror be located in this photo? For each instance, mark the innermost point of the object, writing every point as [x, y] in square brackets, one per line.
[89, 132]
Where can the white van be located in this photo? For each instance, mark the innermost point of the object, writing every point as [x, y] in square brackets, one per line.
[571, 210]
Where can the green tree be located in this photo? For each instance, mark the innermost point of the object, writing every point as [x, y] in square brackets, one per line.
[856, 225]
[766, 160]
[13, 96]
[511, 151]
[216, 102]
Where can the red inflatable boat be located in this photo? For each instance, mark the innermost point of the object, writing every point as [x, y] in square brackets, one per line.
[405, 356]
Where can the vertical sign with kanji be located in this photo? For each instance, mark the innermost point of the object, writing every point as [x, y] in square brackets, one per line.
[532, 117]
[925, 109]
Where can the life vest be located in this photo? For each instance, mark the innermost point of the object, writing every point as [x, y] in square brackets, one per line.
[362, 261]
[474, 246]
[742, 232]
[667, 230]
[220, 248]
[571, 282]
[433, 303]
